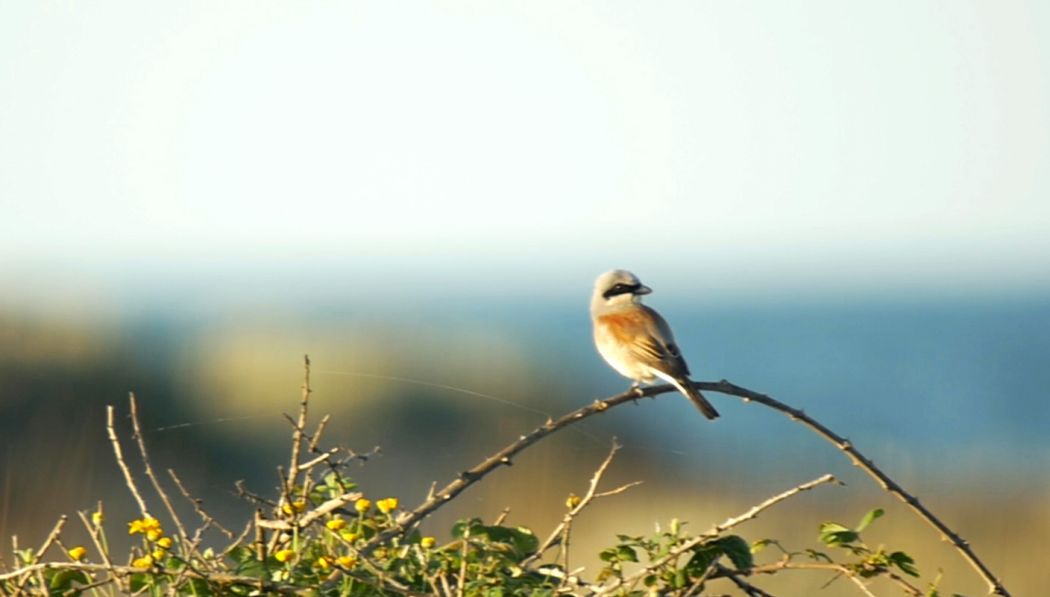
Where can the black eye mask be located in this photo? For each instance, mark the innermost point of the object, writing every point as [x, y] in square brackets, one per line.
[621, 288]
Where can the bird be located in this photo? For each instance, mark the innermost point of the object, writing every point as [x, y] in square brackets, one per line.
[635, 340]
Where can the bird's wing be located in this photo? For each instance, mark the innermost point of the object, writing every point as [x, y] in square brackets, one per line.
[647, 337]
[665, 338]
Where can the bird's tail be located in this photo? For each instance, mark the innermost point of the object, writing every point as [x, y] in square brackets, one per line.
[693, 394]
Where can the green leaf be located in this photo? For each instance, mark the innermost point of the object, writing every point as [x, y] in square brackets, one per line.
[26, 555]
[833, 533]
[905, 562]
[818, 556]
[62, 580]
[461, 527]
[241, 554]
[138, 581]
[738, 550]
[703, 557]
[680, 579]
[525, 540]
[253, 568]
[518, 541]
[868, 519]
[760, 544]
[626, 554]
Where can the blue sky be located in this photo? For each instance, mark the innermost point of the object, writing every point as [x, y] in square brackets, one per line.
[856, 145]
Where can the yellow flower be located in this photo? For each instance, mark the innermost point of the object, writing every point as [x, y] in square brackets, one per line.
[427, 542]
[164, 543]
[154, 534]
[97, 517]
[336, 524]
[349, 536]
[387, 506]
[283, 555]
[77, 553]
[143, 525]
[322, 563]
[158, 554]
[572, 501]
[362, 505]
[143, 562]
[294, 507]
[346, 561]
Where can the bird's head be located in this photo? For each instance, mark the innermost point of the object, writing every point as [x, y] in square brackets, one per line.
[618, 287]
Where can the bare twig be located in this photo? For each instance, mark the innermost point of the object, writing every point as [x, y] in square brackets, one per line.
[462, 582]
[260, 536]
[743, 585]
[502, 516]
[325, 456]
[585, 500]
[316, 439]
[198, 506]
[137, 435]
[244, 492]
[838, 569]
[756, 510]
[297, 434]
[93, 533]
[715, 531]
[123, 465]
[314, 515]
[240, 538]
[51, 538]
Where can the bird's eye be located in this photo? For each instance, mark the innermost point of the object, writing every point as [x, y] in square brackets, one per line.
[618, 289]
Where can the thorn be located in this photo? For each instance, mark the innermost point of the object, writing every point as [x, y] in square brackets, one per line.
[505, 461]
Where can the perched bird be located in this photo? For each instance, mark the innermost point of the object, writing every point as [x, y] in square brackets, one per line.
[635, 340]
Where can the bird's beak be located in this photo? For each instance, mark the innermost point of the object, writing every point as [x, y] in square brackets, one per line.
[643, 290]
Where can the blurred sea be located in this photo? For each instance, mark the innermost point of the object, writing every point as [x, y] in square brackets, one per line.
[949, 396]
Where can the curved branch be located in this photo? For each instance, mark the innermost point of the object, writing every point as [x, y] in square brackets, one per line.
[436, 499]
[995, 587]
[467, 478]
